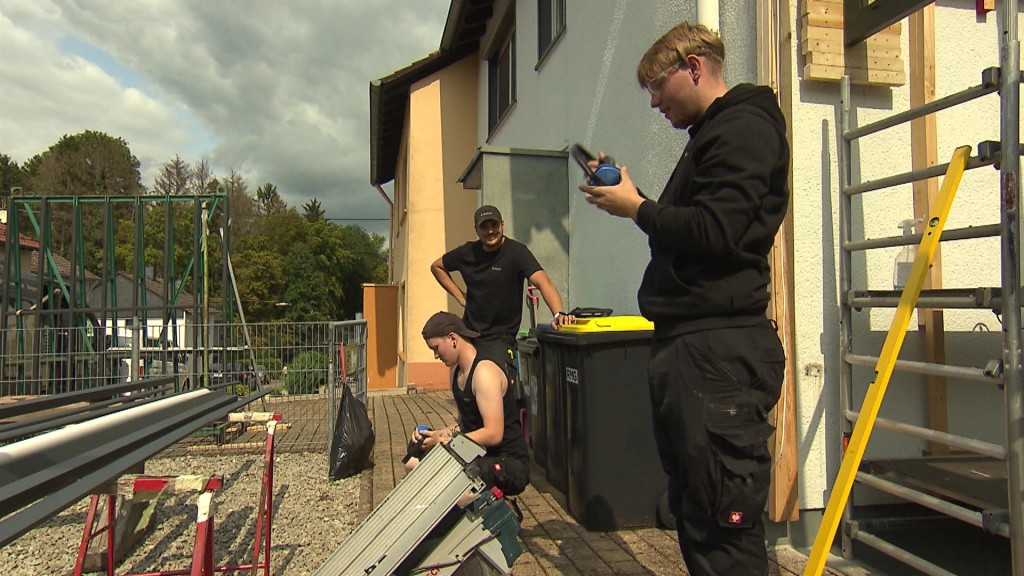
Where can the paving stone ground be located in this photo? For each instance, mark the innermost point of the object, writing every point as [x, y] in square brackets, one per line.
[553, 542]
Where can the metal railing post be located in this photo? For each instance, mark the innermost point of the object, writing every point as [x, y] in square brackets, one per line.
[1009, 188]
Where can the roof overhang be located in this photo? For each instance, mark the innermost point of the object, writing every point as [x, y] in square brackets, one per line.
[389, 96]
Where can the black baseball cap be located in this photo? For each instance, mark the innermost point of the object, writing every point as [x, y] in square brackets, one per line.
[443, 324]
[485, 213]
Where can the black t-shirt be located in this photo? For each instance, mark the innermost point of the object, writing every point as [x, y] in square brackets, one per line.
[494, 285]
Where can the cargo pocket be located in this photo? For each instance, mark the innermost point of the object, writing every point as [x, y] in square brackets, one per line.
[743, 467]
[518, 473]
[509, 475]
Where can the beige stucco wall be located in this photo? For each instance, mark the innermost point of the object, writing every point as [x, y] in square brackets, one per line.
[380, 308]
[435, 212]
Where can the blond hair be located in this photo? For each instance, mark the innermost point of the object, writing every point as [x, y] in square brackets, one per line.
[684, 39]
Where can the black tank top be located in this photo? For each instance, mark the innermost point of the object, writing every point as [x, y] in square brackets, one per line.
[512, 443]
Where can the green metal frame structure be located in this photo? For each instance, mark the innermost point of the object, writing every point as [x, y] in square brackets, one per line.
[85, 325]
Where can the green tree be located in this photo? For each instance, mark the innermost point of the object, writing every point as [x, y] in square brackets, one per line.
[10, 175]
[202, 181]
[325, 243]
[260, 272]
[305, 294]
[174, 178]
[313, 211]
[287, 229]
[268, 200]
[368, 265]
[243, 208]
[183, 247]
[86, 164]
[279, 254]
[306, 373]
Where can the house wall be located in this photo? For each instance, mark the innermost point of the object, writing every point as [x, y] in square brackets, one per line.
[179, 334]
[965, 45]
[438, 211]
[586, 91]
[528, 188]
[380, 308]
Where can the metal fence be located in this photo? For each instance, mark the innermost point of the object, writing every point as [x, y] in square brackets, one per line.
[303, 365]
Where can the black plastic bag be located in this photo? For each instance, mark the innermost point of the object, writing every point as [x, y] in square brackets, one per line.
[353, 439]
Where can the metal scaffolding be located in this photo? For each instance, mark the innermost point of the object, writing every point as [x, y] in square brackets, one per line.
[70, 315]
[995, 511]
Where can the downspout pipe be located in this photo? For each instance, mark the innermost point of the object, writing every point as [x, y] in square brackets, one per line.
[707, 14]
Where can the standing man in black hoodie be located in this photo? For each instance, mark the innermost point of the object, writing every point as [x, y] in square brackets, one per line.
[716, 362]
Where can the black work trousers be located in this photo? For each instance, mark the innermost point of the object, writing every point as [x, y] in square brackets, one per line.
[711, 392]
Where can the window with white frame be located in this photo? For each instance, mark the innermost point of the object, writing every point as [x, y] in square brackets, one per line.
[501, 93]
[550, 25]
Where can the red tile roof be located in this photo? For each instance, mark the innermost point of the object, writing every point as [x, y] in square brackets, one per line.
[63, 266]
[23, 241]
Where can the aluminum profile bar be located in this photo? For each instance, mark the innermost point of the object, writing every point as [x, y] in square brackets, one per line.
[965, 515]
[41, 424]
[28, 406]
[913, 176]
[51, 485]
[944, 298]
[971, 232]
[893, 551]
[845, 150]
[1010, 259]
[927, 368]
[989, 84]
[970, 444]
[405, 518]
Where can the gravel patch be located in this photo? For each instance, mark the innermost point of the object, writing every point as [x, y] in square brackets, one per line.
[312, 517]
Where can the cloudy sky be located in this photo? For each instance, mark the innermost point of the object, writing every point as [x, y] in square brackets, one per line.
[277, 90]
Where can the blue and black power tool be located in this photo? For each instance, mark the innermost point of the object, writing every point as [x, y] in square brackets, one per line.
[606, 173]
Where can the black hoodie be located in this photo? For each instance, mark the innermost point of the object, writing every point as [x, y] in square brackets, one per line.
[712, 227]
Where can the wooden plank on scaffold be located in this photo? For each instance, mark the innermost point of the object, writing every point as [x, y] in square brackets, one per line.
[886, 360]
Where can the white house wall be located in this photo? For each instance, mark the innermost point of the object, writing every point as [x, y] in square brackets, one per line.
[965, 45]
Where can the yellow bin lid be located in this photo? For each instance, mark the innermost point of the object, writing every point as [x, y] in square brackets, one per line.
[609, 324]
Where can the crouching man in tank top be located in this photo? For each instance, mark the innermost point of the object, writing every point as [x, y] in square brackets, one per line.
[488, 414]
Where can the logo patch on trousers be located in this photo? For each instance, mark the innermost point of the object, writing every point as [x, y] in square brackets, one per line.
[735, 517]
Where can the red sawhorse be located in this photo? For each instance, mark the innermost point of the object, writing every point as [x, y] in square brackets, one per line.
[202, 554]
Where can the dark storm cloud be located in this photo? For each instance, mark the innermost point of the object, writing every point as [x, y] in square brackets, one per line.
[277, 91]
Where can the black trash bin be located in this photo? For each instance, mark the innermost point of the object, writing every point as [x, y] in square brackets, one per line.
[553, 389]
[531, 373]
[613, 476]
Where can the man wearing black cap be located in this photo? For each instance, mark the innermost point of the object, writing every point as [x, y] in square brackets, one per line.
[494, 268]
[487, 410]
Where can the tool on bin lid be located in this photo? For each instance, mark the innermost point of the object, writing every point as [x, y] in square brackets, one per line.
[586, 312]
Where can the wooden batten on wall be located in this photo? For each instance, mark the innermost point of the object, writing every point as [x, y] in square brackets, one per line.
[877, 60]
